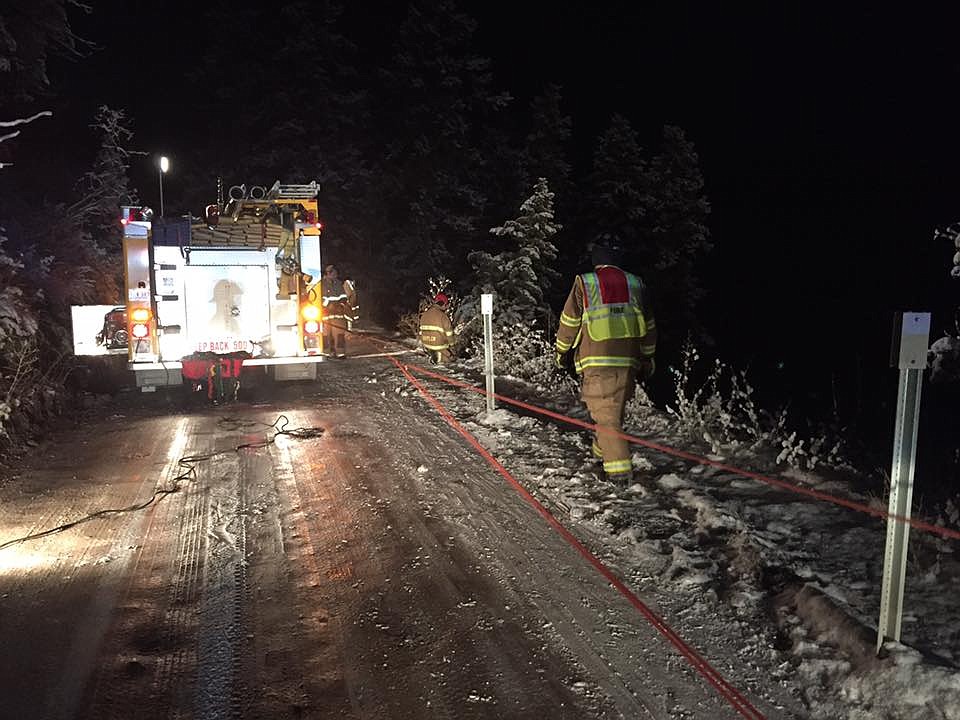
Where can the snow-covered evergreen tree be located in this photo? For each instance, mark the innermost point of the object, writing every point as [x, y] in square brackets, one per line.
[677, 239]
[16, 315]
[655, 210]
[106, 186]
[435, 98]
[618, 188]
[545, 149]
[520, 277]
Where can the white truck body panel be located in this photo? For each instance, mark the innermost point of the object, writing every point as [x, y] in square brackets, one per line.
[222, 300]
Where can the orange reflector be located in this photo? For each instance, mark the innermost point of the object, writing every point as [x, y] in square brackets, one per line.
[140, 330]
[311, 327]
[310, 312]
[140, 315]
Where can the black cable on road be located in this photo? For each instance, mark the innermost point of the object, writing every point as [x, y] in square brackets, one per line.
[188, 464]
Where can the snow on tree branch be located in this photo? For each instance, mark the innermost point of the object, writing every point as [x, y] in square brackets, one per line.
[24, 121]
[14, 123]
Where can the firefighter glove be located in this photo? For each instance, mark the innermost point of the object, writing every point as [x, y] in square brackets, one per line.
[564, 362]
[647, 368]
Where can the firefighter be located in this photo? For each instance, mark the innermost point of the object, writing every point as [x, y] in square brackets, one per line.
[436, 330]
[607, 334]
[337, 311]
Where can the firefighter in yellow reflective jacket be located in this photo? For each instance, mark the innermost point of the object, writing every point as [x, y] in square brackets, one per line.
[337, 311]
[436, 330]
[608, 335]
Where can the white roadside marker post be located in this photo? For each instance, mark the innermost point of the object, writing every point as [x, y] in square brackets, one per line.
[911, 337]
[486, 310]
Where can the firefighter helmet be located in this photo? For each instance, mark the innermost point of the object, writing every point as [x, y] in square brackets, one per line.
[606, 253]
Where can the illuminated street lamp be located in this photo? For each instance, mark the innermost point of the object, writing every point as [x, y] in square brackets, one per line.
[164, 166]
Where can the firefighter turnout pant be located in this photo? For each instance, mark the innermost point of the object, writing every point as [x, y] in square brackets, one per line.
[606, 392]
[334, 339]
[335, 328]
[441, 356]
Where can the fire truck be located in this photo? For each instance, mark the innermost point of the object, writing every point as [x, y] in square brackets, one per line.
[238, 287]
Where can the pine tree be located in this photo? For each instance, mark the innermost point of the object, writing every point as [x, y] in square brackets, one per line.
[655, 211]
[435, 102]
[678, 237]
[106, 186]
[94, 244]
[545, 150]
[520, 278]
[619, 188]
[31, 31]
[16, 316]
[309, 124]
[72, 252]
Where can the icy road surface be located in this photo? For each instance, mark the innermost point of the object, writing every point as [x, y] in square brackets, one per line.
[382, 570]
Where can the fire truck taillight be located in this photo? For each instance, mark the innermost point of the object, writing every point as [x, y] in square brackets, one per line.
[310, 312]
[140, 315]
[311, 327]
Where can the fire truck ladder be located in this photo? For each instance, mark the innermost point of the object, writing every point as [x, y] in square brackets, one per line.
[293, 192]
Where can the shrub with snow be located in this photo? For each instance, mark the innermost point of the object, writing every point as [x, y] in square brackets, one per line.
[721, 411]
[525, 353]
[944, 359]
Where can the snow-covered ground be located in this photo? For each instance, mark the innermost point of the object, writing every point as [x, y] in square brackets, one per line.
[802, 578]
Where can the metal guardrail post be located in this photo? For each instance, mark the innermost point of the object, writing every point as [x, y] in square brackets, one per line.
[911, 340]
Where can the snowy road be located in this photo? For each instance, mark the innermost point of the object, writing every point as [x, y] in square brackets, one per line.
[382, 570]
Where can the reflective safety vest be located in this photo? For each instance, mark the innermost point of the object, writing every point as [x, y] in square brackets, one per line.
[607, 320]
[613, 305]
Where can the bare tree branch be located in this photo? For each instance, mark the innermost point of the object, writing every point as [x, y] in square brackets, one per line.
[19, 121]
[24, 121]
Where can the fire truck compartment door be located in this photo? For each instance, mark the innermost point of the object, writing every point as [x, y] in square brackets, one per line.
[226, 306]
[310, 258]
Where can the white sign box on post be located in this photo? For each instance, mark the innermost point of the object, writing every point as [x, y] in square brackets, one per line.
[486, 304]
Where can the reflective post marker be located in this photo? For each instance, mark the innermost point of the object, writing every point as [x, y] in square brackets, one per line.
[911, 340]
[486, 310]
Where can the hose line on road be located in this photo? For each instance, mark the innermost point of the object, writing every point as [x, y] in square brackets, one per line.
[188, 471]
[877, 512]
[730, 693]
[920, 524]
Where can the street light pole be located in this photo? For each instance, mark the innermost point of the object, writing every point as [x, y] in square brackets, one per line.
[164, 166]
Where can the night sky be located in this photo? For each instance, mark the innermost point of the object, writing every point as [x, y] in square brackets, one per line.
[827, 137]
